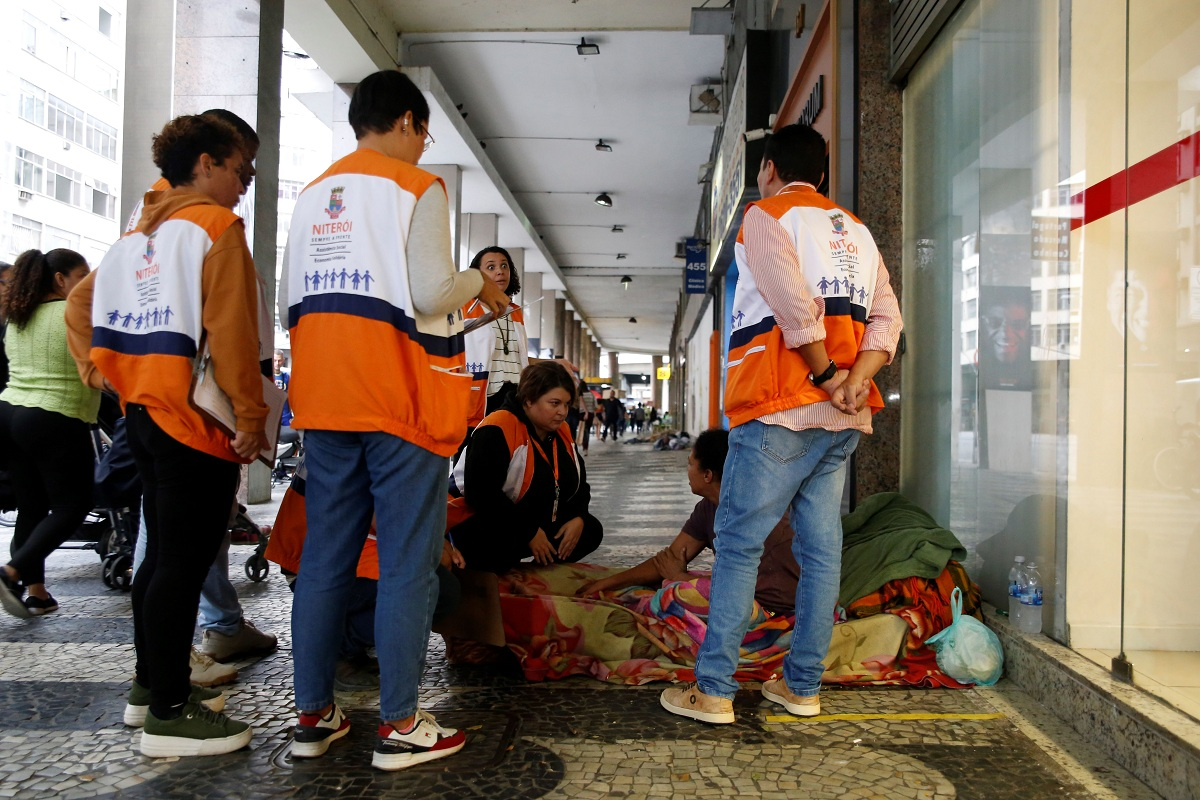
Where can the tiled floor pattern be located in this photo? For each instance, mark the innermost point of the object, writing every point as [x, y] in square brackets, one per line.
[63, 681]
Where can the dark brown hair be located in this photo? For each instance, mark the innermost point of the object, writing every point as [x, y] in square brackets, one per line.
[514, 282]
[33, 278]
[184, 139]
[542, 377]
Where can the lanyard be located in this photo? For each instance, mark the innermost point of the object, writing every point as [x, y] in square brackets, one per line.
[542, 453]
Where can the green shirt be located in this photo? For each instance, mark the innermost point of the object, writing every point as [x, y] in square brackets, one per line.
[42, 373]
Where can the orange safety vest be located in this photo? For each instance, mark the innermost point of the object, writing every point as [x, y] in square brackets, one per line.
[481, 346]
[839, 259]
[147, 323]
[520, 464]
[364, 359]
[286, 543]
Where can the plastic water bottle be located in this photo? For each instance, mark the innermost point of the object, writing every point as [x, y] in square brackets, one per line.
[1030, 619]
[1016, 579]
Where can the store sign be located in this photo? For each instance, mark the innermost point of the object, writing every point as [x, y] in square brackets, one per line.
[664, 373]
[729, 171]
[695, 273]
[815, 104]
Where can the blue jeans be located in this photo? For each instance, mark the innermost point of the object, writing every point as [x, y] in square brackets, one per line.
[220, 609]
[350, 473]
[769, 470]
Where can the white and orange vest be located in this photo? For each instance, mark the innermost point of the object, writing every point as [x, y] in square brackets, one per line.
[521, 460]
[840, 260]
[481, 346]
[363, 357]
[147, 321]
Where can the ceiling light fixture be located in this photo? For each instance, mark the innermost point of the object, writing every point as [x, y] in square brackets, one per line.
[625, 281]
[586, 48]
[633, 320]
[618, 228]
[602, 147]
[603, 199]
[622, 256]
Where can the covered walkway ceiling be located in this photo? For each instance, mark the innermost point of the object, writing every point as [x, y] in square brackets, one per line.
[536, 112]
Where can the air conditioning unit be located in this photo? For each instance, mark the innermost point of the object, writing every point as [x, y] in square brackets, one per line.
[704, 104]
[24, 194]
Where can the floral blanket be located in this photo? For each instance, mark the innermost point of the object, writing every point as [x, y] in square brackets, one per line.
[645, 634]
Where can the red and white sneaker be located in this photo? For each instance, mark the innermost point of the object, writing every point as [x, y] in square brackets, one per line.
[314, 733]
[425, 742]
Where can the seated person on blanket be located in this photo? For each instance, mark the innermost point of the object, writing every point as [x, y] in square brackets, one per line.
[520, 489]
[778, 572]
[355, 670]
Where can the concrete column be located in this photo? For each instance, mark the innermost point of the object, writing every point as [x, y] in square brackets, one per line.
[560, 326]
[344, 142]
[149, 81]
[531, 290]
[580, 338]
[614, 370]
[569, 336]
[451, 175]
[478, 232]
[656, 363]
[549, 313]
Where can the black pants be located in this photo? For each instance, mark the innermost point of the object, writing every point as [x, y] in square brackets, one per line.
[186, 500]
[489, 548]
[51, 466]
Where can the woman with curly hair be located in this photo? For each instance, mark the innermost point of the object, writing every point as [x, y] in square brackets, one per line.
[44, 415]
[181, 281]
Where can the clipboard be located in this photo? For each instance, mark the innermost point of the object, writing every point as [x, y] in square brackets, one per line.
[488, 318]
[214, 404]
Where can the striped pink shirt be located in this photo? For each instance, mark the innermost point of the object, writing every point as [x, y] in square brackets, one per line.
[772, 259]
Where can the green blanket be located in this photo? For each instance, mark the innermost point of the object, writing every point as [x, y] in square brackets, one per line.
[888, 537]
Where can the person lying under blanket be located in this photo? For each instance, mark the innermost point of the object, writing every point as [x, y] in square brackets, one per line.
[778, 571]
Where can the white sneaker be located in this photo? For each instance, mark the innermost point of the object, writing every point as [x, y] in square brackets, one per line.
[425, 742]
[207, 672]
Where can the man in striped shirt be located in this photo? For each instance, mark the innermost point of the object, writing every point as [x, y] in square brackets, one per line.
[814, 318]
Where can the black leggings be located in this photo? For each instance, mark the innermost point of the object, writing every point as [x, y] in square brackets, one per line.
[51, 465]
[488, 548]
[186, 499]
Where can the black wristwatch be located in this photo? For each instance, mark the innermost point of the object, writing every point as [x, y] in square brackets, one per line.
[829, 372]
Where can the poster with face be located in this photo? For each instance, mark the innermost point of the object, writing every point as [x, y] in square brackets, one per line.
[1004, 314]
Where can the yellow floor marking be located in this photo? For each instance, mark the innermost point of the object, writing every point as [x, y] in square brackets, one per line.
[856, 717]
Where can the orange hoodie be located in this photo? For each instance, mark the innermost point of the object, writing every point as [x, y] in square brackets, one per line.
[138, 318]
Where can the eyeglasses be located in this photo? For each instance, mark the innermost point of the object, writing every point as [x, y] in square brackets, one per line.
[429, 140]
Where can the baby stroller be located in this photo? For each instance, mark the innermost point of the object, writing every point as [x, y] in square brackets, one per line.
[288, 452]
[111, 527]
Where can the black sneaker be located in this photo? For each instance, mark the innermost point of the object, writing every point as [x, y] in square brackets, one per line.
[313, 734]
[425, 742]
[10, 597]
[37, 606]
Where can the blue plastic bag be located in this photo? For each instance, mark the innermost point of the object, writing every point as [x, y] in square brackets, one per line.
[968, 651]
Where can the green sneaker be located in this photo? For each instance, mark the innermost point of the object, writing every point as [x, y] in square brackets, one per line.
[195, 732]
[139, 702]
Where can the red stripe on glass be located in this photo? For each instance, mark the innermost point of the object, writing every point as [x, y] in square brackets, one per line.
[1165, 169]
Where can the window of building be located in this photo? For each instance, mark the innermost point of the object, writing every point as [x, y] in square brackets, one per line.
[29, 37]
[32, 105]
[1035, 303]
[289, 190]
[972, 339]
[1062, 336]
[29, 171]
[98, 77]
[53, 238]
[101, 138]
[26, 234]
[65, 119]
[1063, 299]
[1035, 335]
[103, 202]
[63, 184]
[971, 278]
[105, 24]
[972, 310]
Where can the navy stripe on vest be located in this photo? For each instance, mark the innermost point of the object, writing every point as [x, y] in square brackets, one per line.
[160, 343]
[380, 310]
[841, 307]
[743, 335]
